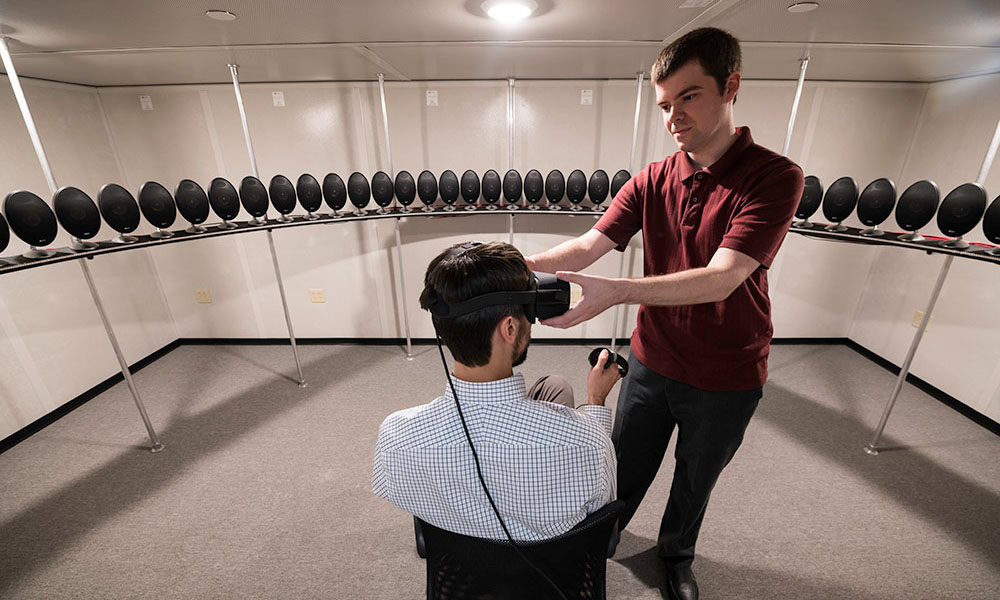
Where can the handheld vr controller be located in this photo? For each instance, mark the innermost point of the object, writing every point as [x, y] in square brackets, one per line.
[613, 358]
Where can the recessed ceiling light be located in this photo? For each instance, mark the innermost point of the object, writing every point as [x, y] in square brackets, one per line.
[509, 10]
[220, 15]
[801, 7]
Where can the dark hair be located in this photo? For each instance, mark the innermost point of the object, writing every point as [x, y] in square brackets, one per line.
[715, 50]
[467, 270]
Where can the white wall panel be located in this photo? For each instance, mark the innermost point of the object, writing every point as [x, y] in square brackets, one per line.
[958, 353]
[53, 334]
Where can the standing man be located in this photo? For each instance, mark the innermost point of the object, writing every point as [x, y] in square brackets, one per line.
[712, 216]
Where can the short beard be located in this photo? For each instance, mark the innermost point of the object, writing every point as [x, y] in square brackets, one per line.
[520, 358]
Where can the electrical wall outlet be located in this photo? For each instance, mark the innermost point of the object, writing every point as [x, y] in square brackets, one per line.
[202, 297]
[918, 316]
[316, 295]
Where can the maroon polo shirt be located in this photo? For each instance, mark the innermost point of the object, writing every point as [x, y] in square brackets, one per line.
[745, 202]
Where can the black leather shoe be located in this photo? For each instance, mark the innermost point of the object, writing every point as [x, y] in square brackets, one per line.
[681, 584]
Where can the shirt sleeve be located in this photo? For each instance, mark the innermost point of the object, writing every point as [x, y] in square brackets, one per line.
[624, 216]
[760, 226]
[380, 478]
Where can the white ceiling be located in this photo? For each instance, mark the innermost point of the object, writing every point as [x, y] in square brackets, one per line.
[148, 42]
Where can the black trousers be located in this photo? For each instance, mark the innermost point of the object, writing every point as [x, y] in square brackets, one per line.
[710, 427]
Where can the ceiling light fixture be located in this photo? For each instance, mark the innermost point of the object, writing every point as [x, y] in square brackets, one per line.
[509, 10]
[803, 7]
[220, 15]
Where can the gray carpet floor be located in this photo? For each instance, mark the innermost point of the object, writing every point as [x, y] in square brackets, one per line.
[263, 489]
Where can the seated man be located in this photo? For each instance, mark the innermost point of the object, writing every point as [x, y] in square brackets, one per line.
[546, 465]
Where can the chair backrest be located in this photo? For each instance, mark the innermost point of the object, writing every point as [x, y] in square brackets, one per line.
[463, 567]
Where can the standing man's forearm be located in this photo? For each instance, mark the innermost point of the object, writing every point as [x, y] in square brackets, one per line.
[572, 255]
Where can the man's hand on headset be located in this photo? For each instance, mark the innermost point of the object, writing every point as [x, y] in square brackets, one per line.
[598, 295]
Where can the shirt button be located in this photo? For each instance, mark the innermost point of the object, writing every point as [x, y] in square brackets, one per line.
[694, 200]
[699, 176]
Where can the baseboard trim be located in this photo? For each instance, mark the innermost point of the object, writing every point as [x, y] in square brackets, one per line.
[939, 395]
[41, 423]
[44, 421]
[375, 341]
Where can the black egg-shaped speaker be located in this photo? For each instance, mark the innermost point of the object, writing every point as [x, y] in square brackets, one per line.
[470, 187]
[282, 194]
[4, 233]
[405, 188]
[334, 192]
[427, 188]
[876, 202]
[491, 187]
[77, 213]
[253, 196]
[555, 186]
[991, 221]
[619, 181]
[534, 186]
[192, 203]
[598, 187]
[576, 187]
[961, 209]
[118, 208]
[917, 205]
[309, 193]
[158, 206]
[839, 202]
[223, 199]
[30, 218]
[512, 187]
[358, 190]
[812, 198]
[448, 187]
[382, 189]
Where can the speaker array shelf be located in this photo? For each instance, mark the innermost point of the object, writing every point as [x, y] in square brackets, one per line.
[31, 220]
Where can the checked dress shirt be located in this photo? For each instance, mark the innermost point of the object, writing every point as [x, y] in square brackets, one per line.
[547, 466]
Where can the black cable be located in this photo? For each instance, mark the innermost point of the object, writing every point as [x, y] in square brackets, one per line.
[482, 482]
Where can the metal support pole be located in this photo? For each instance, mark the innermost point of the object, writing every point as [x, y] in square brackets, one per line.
[399, 243]
[510, 148]
[43, 160]
[284, 305]
[631, 159]
[157, 446]
[402, 292]
[795, 105]
[234, 71]
[385, 125]
[872, 447]
[635, 123]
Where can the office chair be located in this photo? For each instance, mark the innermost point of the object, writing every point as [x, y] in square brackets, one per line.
[460, 566]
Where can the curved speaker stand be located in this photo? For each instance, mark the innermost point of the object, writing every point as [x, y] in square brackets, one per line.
[836, 227]
[226, 225]
[552, 205]
[78, 244]
[913, 236]
[283, 218]
[123, 238]
[957, 243]
[195, 229]
[34, 252]
[160, 234]
[872, 232]
[803, 224]
[256, 222]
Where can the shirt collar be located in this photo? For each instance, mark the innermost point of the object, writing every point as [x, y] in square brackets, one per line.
[501, 390]
[719, 168]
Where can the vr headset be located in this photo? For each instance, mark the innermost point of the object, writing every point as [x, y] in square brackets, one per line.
[546, 297]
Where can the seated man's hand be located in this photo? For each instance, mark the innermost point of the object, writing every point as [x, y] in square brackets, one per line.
[601, 380]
